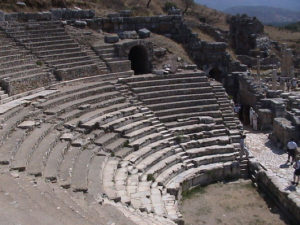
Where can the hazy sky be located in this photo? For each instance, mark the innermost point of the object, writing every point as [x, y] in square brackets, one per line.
[224, 4]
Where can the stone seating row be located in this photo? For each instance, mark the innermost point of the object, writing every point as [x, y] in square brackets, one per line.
[133, 154]
[19, 69]
[54, 45]
[176, 96]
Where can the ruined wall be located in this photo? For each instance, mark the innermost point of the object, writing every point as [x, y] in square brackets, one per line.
[276, 189]
[244, 31]
[206, 55]
[54, 14]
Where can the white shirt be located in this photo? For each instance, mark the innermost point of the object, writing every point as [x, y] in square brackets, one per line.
[292, 145]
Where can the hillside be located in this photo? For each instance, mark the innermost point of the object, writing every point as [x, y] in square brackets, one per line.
[225, 4]
[194, 15]
[295, 27]
[266, 14]
[103, 7]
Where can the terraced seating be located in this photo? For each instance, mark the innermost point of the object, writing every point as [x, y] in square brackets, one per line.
[50, 42]
[19, 69]
[91, 137]
[175, 97]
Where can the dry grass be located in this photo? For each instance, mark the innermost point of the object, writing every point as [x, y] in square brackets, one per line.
[172, 47]
[284, 36]
[104, 6]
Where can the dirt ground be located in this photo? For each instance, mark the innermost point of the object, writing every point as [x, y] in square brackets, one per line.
[235, 203]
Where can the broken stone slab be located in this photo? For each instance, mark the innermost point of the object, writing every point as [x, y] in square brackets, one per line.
[206, 119]
[158, 72]
[160, 52]
[125, 13]
[27, 124]
[22, 4]
[190, 67]
[144, 33]
[79, 142]
[111, 39]
[128, 35]
[15, 174]
[80, 23]
[85, 106]
[67, 137]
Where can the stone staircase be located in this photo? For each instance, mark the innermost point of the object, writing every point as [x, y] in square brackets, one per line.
[108, 54]
[230, 120]
[49, 41]
[19, 69]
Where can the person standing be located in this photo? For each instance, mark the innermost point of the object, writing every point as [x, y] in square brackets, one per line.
[255, 120]
[294, 84]
[291, 150]
[244, 150]
[297, 171]
[251, 112]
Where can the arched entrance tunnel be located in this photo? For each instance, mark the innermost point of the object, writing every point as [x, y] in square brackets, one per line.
[138, 56]
[216, 74]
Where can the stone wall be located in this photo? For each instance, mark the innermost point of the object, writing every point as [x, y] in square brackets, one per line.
[70, 74]
[244, 31]
[24, 84]
[283, 132]
[208, 176]
[206, 55]
[276, 190]
[54, 14]
[217, 34]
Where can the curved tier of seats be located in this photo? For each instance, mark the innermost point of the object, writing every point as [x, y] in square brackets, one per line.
[74, 134]
[19, 69]
[97, 140]
[50, 42]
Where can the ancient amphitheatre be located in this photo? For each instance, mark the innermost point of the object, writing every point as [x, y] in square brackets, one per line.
[108, 118]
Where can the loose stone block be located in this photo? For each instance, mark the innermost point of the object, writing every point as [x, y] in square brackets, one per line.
[80, 24]
[111, 39]
[144, 33]
[128, 35]
[27, 124]
[67, 137]
[159, 52]
[22, 4]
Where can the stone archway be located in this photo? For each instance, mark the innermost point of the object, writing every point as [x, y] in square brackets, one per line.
[216, 74]
[138, 56]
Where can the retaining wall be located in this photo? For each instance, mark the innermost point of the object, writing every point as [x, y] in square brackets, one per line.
[275, 188]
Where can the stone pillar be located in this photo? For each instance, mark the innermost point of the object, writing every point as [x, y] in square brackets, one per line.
[258, 68]
[289, 62]
[286, 61]
[274, 79]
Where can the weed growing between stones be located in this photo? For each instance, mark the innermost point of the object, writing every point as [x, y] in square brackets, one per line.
[190, 193]
[150, 177]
